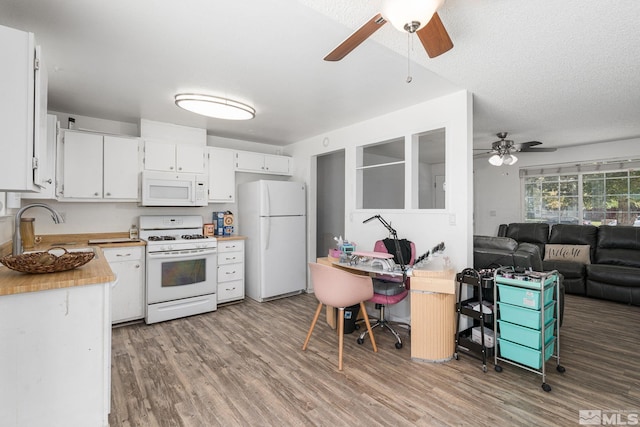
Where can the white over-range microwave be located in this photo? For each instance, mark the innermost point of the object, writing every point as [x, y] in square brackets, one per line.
[173, 189]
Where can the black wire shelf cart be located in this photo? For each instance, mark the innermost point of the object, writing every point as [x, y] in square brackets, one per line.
[476, 340]
[526, 318]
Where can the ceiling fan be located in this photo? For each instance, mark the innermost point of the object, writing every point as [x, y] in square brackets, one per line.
[413, 16]
[504, 148]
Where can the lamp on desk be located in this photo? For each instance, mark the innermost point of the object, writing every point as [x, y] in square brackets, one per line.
[396, 242]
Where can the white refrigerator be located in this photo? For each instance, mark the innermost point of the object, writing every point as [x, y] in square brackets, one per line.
[271, 214]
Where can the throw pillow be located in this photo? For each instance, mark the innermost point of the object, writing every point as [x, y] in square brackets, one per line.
[577, 253]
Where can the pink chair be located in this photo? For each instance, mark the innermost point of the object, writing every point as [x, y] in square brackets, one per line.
[338, 288]
[389, 290]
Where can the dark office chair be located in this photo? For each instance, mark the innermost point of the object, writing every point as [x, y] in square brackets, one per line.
[389, 290]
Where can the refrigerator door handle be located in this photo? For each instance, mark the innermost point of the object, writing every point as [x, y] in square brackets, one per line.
[266, 201]
[266, 232]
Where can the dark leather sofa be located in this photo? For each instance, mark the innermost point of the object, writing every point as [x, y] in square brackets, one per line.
[493, 252]
[613, 271]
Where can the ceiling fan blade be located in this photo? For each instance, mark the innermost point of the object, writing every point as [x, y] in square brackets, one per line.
[530, 144]
[537, 150]
[354, 40]
[434, 37]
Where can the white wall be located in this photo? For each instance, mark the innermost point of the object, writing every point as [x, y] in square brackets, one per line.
[498, 197]
[425, 228]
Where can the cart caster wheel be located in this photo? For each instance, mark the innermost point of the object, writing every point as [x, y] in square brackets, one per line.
[484, 368]
[546, 387]
[360, 341]
[357, 326]
[560, 369]
[455, 356]
[398, 345]
[498, 368]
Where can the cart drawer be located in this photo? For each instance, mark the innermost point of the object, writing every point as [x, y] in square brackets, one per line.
[526, 316]
[523, 354]
[523, 297]
[526, 336]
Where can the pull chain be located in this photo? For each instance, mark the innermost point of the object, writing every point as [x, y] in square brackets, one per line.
[409, 78]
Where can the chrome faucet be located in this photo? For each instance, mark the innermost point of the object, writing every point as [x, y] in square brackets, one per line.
[17, 238]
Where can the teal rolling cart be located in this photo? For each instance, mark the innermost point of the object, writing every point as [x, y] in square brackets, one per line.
[527, 320]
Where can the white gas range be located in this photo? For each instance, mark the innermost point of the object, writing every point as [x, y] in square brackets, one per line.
[181, 267]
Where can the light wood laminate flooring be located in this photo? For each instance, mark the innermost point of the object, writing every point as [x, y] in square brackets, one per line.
[242, 365]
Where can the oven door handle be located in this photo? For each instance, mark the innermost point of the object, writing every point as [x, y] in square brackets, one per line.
[180, 254]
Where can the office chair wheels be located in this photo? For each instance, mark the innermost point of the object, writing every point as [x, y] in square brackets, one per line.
[360, 341]
[398, 345]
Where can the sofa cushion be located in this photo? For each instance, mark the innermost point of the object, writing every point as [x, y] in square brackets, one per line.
[492, 252]
[576, 253]
[614, 275]
[618, 245]
[569, 269]
[534, 232]
[527, 257]
[571, 234]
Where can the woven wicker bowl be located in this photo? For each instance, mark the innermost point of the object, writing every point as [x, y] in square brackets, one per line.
[47, 262]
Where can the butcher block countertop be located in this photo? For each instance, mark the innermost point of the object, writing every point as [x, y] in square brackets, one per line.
[95, 271]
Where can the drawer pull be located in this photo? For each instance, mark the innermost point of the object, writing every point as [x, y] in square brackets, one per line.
[230, 258]
[230, 289]
[230, 272]
[123, 255]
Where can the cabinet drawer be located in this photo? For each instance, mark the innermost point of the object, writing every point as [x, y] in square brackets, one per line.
[230, 246]
[123, 254]
[230, 272]
[230, 258]
[230, 291]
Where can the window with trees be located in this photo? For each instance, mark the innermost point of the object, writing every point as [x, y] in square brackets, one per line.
[611, 197]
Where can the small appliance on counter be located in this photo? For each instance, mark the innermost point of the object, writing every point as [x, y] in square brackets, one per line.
[223, 222]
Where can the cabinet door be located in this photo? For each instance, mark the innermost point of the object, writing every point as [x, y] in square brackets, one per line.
[82, 176]
[159, 156]
[47, 163]
[222, 175]
[127, 296]
[120, 168]
[249, 162]
[190, 158]
[277, 164]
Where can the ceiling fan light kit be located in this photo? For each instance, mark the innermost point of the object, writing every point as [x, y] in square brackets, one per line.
[213, 106]
[502, 150]
[409, 15]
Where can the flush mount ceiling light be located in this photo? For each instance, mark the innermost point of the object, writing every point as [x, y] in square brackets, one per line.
[213, 106]
[409, 15]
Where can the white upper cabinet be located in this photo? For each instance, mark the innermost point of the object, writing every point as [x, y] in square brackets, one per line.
[23, 110]
[247, 161]
[222, 175]
[121, 168]
[99, 167]
[170, 157]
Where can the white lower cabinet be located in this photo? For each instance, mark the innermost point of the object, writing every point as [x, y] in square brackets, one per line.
[230, 270]
[128, 295]
[56, 357]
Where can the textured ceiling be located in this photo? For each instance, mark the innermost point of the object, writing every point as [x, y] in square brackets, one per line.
[563, 73]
